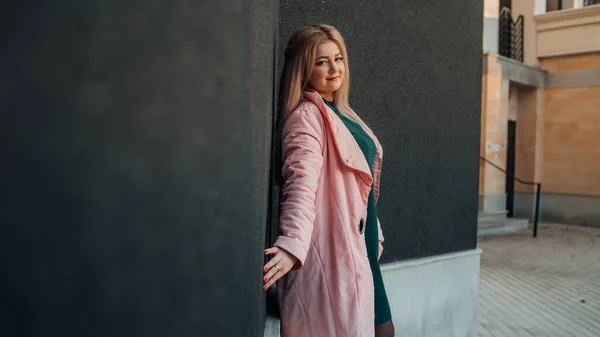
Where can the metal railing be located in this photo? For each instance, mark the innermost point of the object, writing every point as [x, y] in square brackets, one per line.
[537, 193]
[510, 39]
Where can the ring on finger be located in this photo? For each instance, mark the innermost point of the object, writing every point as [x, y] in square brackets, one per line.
[278, 267]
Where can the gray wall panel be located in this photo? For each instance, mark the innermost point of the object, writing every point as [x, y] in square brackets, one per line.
[580, 210]
[134, 147]
[416, 80]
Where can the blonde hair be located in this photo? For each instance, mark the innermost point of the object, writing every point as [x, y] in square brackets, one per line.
[300, 56]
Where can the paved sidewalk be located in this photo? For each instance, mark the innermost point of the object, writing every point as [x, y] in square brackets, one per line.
[549, 286]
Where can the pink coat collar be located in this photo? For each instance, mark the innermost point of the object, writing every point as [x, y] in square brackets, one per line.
[347, 148]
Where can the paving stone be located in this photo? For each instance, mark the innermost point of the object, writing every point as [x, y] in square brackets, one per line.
[543, 287]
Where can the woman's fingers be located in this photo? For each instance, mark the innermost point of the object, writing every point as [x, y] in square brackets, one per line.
[274, 279]
[272, 250]
[282, 267]
[278, 266]
[273, 267]
[271, 263]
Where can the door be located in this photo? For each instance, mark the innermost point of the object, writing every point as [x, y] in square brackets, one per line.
[510, 167]
[505, 3]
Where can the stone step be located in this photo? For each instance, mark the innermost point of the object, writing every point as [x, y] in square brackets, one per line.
[500, 227]
[492, 215]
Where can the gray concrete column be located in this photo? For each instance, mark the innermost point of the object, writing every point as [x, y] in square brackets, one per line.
[135, 144]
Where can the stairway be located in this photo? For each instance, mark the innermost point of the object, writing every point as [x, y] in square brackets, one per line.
[496, 223]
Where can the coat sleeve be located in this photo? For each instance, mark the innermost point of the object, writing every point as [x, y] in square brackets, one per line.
[302, 145]
[381, 238]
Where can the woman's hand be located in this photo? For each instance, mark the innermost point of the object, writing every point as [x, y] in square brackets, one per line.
[279, 265]
[380, 251]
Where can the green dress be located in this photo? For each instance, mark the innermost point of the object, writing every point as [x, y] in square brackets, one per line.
[367, 145]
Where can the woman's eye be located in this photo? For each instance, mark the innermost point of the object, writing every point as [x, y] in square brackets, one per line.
[320, 63]
[339, 59]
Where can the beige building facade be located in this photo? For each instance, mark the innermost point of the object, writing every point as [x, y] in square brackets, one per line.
[540, 115]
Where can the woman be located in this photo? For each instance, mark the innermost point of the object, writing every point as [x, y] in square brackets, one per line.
[326, 256]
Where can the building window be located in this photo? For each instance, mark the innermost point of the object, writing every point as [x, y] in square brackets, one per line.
[553, 5]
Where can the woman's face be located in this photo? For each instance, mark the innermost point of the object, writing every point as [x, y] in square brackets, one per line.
[328, 71]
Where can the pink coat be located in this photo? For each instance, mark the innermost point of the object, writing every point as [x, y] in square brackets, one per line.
[327, 184]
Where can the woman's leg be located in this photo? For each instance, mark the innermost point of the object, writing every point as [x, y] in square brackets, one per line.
[384, 329]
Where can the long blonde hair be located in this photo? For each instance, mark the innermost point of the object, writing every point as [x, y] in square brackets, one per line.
[300, 56]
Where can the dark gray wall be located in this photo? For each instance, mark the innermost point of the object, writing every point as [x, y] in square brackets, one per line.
[416, 80]
[134, 144]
